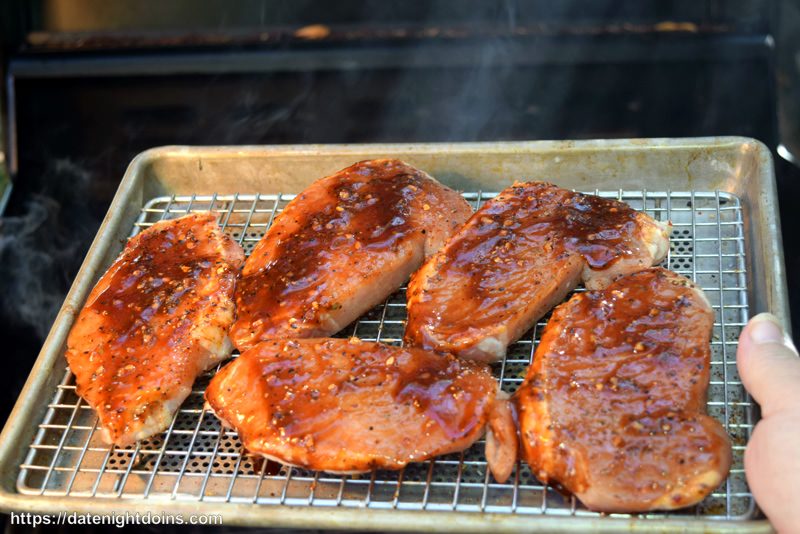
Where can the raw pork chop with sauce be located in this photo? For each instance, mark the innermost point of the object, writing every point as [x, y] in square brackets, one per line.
[156, 319]
[350, 406]
[517, 257]
[613, 407]
[341, 247]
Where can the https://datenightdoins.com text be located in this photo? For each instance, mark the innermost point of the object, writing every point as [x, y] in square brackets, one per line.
[118, 519]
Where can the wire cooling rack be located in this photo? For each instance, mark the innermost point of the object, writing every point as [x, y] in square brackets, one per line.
[195, 460]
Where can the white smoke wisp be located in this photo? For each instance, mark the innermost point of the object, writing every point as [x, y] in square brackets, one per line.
[41, 248]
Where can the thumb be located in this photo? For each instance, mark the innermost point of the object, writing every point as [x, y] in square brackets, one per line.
[768, 364]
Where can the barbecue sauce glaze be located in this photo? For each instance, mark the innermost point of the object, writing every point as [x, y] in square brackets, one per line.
[342, 229]
[349, 405]
[527, 247]
[167, 282]
[613, 407]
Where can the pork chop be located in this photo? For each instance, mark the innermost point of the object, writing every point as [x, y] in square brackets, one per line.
[341, 247]
[155, 320]
[350, 406]
[517, 257]
[613, 407]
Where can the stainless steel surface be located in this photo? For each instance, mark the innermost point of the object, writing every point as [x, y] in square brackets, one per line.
[194, 460]
[191, 468]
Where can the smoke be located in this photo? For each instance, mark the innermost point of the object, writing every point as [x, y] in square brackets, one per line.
[41, 248]
[252, 114]
[488, 86]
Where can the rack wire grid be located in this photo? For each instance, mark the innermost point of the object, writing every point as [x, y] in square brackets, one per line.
[194, 459]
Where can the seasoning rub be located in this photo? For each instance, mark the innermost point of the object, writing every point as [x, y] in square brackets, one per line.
[155, 320]
[350, 406]
[341, 247]
[517, 257]
[613, 407]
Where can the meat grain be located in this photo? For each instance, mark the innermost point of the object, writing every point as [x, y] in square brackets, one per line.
[517, 257]
[613, 407]
[350, 406]
[155, 320]
[341, 247]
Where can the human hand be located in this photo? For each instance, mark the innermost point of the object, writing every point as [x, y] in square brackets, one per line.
[770, 369]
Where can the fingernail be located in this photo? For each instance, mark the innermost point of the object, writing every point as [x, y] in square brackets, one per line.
[765, 328]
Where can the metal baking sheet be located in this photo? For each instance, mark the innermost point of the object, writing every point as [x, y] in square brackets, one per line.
[193, 467]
